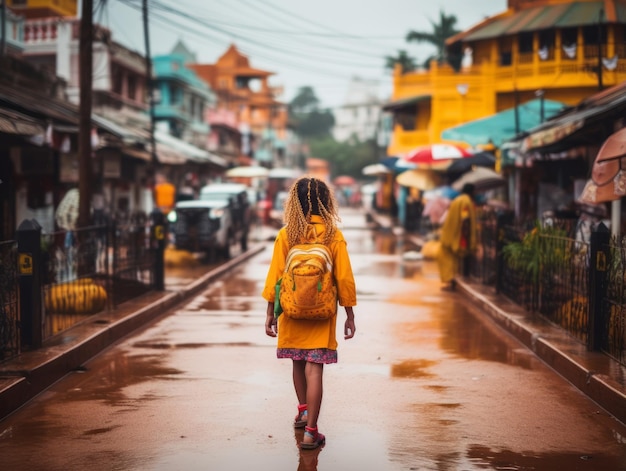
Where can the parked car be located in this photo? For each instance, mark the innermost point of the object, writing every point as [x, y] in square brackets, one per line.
[220, 218]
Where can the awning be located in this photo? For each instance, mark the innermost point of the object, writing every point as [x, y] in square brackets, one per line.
[141, 154]
[500, 127]
[573, 125]
[128, 135]
[404, 102]
[12, 122]
[175, 151]
[561, 15]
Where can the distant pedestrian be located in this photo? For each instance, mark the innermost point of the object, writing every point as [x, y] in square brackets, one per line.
[458, 236]
[310, 214]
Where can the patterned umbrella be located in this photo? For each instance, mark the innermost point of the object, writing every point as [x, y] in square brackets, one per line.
[482, 178]
[434, 156]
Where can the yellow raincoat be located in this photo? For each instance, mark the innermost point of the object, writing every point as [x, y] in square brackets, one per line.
[453, 248]
[306, 334]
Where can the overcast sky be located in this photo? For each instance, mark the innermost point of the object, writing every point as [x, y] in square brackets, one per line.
[320, 43]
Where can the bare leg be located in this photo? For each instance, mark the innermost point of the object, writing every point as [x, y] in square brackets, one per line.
[299, 380]
[314, 375]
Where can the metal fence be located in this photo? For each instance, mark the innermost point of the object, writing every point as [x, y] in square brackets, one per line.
[483, 264]
[9, 301]
[92, 269]
[563, 284]
[546, 269]
[613, 304]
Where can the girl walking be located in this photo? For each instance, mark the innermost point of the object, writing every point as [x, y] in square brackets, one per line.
[310, 215]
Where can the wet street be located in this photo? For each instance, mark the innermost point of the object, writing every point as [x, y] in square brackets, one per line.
[426, 384]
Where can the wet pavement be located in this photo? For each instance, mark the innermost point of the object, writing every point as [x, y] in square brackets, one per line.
[428, 383]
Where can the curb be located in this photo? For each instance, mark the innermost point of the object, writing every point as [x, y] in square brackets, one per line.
[31, 373]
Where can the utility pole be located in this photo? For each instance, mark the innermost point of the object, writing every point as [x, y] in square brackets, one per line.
[84, 129]
[517, 123]
[3, 25]
[150, 83]
[600, 16]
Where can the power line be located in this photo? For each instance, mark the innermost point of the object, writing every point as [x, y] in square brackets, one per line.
[168, 22]
[334, 47]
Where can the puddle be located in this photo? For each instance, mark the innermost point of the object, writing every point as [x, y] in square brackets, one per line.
[484, 457]
[412, 369]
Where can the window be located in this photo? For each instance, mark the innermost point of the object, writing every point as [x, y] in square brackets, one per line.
[594, 35]
[506, 50]
[569, 36]
[525, 42]
[174, 95]
[117, 79]
[546, 38]
[132, 87]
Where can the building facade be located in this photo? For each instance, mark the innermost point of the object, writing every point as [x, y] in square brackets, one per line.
[563, 50]
[246, 92]
[358, 118]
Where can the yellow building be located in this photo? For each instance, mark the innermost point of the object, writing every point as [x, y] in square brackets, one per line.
[44, 8]
[559, 50]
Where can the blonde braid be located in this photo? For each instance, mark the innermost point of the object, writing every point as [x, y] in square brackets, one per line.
[295, 219]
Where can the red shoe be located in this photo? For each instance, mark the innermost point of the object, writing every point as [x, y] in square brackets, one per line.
[318, 438]
[301, 419]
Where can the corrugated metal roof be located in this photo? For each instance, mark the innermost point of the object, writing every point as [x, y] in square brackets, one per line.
[562, 15]
[573, 121]
[12, 122]
[167, 145]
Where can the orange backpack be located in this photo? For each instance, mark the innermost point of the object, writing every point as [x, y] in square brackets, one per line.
[307, 287]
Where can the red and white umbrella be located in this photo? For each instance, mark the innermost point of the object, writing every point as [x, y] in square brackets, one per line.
[433, 156]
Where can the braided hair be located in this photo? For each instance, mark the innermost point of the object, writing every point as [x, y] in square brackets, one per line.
[307, 197]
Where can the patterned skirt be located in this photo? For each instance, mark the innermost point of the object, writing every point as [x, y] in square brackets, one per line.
[315, 355]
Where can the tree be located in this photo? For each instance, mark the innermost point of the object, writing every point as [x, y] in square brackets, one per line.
[441, 31]
[407, 63]
[345, 158]
[305, 101]
[307, 119]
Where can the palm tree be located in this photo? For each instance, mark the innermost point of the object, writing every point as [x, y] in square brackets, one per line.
[407, 63]
[441, 31]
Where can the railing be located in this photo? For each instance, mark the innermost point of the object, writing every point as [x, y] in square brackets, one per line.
[92, 269]
[614, 303]
[76, 280]
[548, 268]
[564, 284]
[9, 332]
[484, 262]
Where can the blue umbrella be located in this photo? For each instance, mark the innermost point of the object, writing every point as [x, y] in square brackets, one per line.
[389, 162]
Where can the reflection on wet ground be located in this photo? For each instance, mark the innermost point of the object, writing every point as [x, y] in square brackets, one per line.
[412, 369]
[425, 385]
[486, 458]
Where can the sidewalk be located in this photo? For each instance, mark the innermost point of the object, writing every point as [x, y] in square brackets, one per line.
[29, 374]
[595, 374]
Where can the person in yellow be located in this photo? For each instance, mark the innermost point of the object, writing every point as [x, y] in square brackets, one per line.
[458, 236]
[310, 214]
